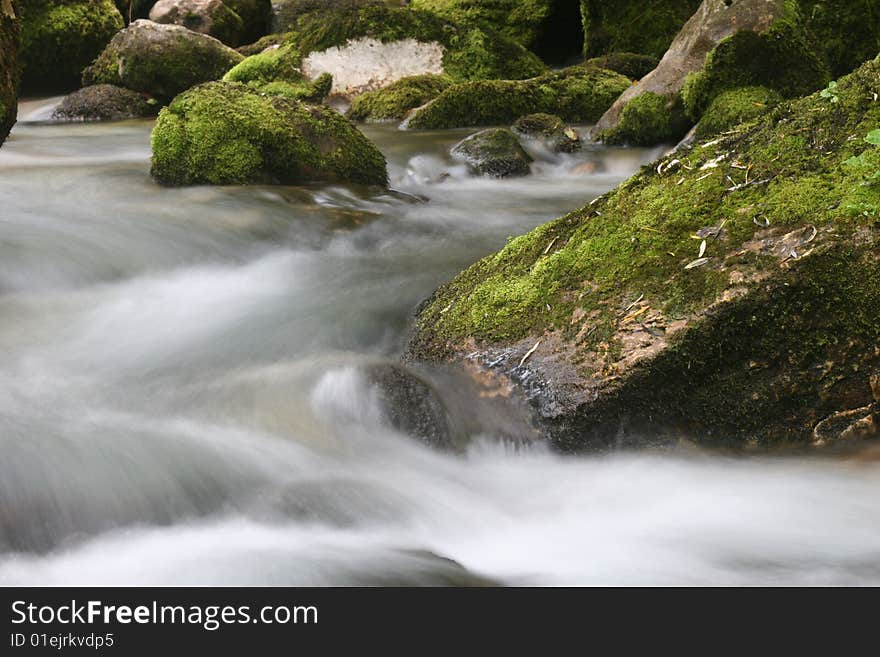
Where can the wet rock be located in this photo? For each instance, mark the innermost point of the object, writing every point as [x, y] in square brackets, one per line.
[577, 94]
[227, 133]
[549, 129]
[211, 17]
[411, 405]
[495, 152]
[160, 60]
[104, 102]
[9, 42]
[619, 328]
[59, 38]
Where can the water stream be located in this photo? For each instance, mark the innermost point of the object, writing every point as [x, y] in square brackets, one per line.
[180, 400]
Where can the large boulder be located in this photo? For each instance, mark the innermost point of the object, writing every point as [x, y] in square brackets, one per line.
[495, 152]
[9, 42]
[161, 60]
[368, 45]
[228, 133]
[211, 17]
[104, 102]
[396, 100]
[619, 327]
[577, 94]
[725, 45]
[550, 28]
[633, 25]
[59, 38]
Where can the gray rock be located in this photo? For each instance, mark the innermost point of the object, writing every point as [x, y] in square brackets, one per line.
[104, 102]
[211, 17]
[494, 152]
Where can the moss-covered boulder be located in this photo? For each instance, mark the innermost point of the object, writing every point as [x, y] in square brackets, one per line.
[577, 94]
[550, 28]
[59, 38]
[550, 130]
[725, 45]
[495, 152]
[9, 42]
[211, 17]
[276, 70]
[728, 294]
[368, 45]
[633, 25]
[734, 107]
[630, 64]
[396, 100]
[104, 102]
[647, 120]
[228, 133]
[161, 60]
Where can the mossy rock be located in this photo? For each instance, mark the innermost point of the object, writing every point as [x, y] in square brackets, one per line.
[630, 64]
[211, 17]
[734, 107]
[470, 52]
[396, 100]
[647, 120]
[275, 63]
[59, 38]
[307, 91]
[228, 133]
[9, 43]
[161, 60]
[104, 102]
[783, 58]
[632, 26]
[577, 94]
[495, 152]
[549, 129]
[550, 28]
[752, 334]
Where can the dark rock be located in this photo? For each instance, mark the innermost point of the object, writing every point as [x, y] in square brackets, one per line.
[549, 129]
[495, 152]
[104, 102]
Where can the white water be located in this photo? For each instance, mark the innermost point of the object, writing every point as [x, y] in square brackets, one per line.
[180, 401]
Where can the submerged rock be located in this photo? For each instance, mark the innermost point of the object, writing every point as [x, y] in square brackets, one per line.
[227, 133]
[104, 102]
[368, 45]
[211, 17]
[59, 38]
[579, 94]
[396, 100]
[549, 129]
[161, 60]
[724, 46]
[495, 152]
[620, 328]
[9, 42]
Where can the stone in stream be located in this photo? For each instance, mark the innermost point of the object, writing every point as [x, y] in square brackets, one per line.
[9, 42]
[227, 133]
[104, 102]
[59, 38]
[160, 60]
[211, 17]
[368, 45]
[494, 152]
[618, 327]
[550, 130]
[725, 45]
[396, 100]
[578, 94]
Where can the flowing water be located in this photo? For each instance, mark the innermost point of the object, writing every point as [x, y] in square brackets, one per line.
[181, 400]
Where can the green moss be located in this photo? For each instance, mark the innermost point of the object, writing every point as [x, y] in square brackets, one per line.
[847, 31]
[306, 91]
[632, 65]
[228, 133]
[59, 38]
[647, 120]
[734, 107]
[519, 20]
[577, 94]
[397, 99]
[783, 58]
[281, 63]
[9, 44]
[633, 26]
[788, 168]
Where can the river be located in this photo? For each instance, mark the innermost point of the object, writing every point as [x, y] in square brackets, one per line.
[181, 403]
